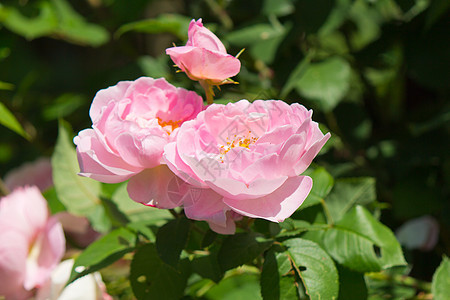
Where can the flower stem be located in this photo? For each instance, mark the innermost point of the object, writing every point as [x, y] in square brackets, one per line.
[208, 91]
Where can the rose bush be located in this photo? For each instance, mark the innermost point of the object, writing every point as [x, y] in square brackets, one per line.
[204, 57]
[247, 158]
[131, 123]
[31, 243]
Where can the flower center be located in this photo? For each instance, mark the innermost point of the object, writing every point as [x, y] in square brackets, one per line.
[237, 141]
[170, 125]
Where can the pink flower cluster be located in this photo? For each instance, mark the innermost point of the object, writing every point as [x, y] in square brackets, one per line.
[219, 163]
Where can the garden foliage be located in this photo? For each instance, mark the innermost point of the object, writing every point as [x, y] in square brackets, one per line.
[376, 75]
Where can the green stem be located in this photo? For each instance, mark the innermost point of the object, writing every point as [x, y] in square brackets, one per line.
[208, 91]
[402, 280]
[220, 13]
[327, 212]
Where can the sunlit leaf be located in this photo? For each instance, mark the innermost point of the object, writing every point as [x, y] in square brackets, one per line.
[322, 185]
[315, 267]
[441, 280]
[79, 195]
[361, 243]
[103, 252]
[348, 192]
[326, 82]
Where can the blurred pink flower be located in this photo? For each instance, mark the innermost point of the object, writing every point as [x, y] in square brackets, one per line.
[246, 158]
[204, 57]
[77, 229]
[419, 233]
[132, 122]
[89, 287]
[31, 243]
[38, 173]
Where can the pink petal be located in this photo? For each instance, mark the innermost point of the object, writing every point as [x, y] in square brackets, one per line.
[205, 64]
[237, 190]
[200, 36]
[277, 206]
[179, 167]
[308, 157]
[51, 246]
[13, 254]
[98, 163]
[104, 96]
[228, 228]
[144, 153]
[158, 187]
[205, 204]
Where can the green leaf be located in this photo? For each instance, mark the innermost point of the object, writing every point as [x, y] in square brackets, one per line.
[103, 252]
[53, 202]
[57, 19]
[6, 85]
[62, 106]
[315, 267]
[208, 266]
[288, 288]
[355, 240]
[367, 22]
[270, 278]
[241, 248]
[348, 192]
[171, 239]
[7, 119]
[326, 82]
[278, 7]
[30, 28]
[237, 287]
[74, 28]
[154, 67]
[253, 34]
[262, 39]
[352, 284]
[165, 23]
[296, 75]
[78, 194]
[440, 286]
[151, 278]
[322, 184]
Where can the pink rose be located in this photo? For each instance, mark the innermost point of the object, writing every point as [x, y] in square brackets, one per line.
[38, 173]
[246, 158]
[132, 122]
[204, 57]
[31, 243]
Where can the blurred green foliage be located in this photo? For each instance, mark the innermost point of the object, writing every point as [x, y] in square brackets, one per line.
[375, 72]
